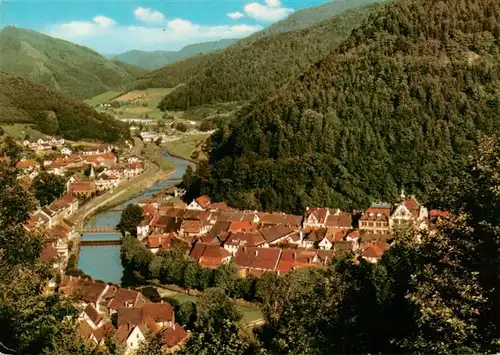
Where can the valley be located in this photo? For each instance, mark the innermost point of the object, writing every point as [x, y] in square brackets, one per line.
[271, 177]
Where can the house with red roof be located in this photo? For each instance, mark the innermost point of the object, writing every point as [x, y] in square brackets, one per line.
[409, 213]
[275, 235]
[255, 261]
[156, 242]
[83, 189]
[133, 169]
[375, 220]
[201, 203]
[209, 255]
[374, 252]
[236, 240]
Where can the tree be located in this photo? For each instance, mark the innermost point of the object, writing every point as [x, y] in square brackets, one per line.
[207, 341]
[225, 277]
[185, 314]
[130, 219]
[48, 187]
[213, 307]
[215, 330]
[153, 345]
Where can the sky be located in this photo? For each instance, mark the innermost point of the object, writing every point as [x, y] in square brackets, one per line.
[113, 27]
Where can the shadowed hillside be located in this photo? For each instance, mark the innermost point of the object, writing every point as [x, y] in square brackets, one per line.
[62, 65]
[54, 113]
[395, 106]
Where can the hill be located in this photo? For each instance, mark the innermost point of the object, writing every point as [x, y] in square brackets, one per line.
[395, 106]
[54, 113]
[310, 16]
[174, 74]
[156, 59]
[61, 65]
[180, 72]
[274, 59]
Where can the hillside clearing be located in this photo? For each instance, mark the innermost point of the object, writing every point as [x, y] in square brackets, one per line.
[102, 98]
[187, 145]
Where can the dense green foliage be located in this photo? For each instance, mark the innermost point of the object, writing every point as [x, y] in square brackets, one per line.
[54, 113]
[403, 98]
[275, 59]
[437, 296]
[31, 323]
[174, 74]
[48, 187]
[61, 65]
[156, 59]
[129, 220]
[310, 16]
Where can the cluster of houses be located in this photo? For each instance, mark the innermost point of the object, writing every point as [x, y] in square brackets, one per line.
[110, 174]
[261, 242]
[54, 220]
[136, 316]
[42, 144]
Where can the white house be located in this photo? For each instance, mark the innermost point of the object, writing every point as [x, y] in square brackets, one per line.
[200, 204]
[144, 227]
[134, 339]
[132, 159]
[66, 151]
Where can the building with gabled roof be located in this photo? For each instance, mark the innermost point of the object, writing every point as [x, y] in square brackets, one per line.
[201, 203]
[209, 255]
[251, 259]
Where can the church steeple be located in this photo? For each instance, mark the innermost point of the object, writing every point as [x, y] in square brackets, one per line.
[92, 173]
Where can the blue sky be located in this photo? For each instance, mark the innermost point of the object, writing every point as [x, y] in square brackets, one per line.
[111, 26]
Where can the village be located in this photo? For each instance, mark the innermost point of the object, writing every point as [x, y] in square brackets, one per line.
[214, 233]
[275, 242]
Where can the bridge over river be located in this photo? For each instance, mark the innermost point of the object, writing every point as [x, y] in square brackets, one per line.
[100, 242]
[97, 230]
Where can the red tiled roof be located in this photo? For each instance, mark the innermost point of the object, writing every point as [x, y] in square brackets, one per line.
[174, 335]
[159, 312]
[124, 297]
[319, 213]
[341, 220]
[92, 313]
[250, 239]
[411, 204]
[209, 255]
[22, 164]
[204, 201]
[101, 332]
[85, 330]
[257, 258]
[242, 226]
[188, 226]
[376, 214]
[218, 206]
[275, 232]
[439, 213]
[92, 291]
[48, 253]
[376, 250]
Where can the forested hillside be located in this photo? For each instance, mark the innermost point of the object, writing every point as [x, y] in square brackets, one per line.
[174, 74]
[393, 107]
[310, 16]
[155, 59]
[61, 65]
[54, 113]
[250, 69]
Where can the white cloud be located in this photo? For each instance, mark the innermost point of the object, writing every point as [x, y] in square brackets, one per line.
[273, 3]
[235, 15]
[272, 11]
[106, 36]
[149, 16]
[104, 21]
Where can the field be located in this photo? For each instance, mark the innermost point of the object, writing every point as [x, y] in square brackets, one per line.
[20, 131]
[188, 144]
[102, 98]
[250, 315]
[142, 102]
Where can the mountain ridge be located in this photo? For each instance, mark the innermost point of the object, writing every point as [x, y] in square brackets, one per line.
[62, 65]
[155, 59]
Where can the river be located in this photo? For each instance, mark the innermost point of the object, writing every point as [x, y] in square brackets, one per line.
[103, 262]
